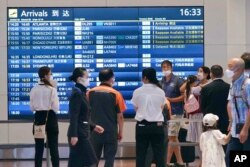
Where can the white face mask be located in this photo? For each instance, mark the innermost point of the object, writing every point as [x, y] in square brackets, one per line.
[51, 78]
[113, 81]
[200, 76]
[247, 73]
[167, 73]
[53, 83]
[84, 81]
[229, 73]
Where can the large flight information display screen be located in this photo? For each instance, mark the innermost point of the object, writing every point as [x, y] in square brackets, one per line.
[124, 39]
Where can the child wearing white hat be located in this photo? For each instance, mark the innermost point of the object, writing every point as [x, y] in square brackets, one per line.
[211, 141]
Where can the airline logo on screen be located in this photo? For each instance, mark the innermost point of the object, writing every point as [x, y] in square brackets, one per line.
[13, 13]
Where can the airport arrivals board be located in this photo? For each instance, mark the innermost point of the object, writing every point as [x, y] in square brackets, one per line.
[124, 39]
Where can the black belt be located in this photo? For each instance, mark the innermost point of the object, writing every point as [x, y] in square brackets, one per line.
[146, 123]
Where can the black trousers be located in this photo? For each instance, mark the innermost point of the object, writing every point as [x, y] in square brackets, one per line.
[52, 137]
[150, 135]
[53, 146]
[150, 156]
[106, 142]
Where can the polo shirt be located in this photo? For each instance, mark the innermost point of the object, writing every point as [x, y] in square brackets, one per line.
[172, 90]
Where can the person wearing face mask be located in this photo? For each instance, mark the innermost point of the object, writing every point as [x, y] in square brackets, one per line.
[107, 107]
[238, 107]
[81, 150]
[203, 77]
[246, 57]
[44, 103]
[53, 82]
[171, 85]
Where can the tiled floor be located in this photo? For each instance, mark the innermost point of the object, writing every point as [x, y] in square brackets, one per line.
[63, 163]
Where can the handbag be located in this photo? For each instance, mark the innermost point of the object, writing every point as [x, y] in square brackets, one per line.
[191, 104]
[40, 130]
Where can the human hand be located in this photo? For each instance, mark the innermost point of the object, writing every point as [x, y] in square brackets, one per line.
[73, 141]
[119, 137]
[169, 99]
[98, 129]
[243, 135]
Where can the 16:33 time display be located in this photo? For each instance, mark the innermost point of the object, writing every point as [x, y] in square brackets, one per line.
[190, 12]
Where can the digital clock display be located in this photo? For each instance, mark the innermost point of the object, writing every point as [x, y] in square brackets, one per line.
[191, 12]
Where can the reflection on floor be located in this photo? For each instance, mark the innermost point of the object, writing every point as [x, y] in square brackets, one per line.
[63, 163]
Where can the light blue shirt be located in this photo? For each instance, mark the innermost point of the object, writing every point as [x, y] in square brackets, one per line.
[236, 90]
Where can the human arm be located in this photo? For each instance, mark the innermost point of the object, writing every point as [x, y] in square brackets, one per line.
[245, 130]
[183, 87]
[74, 111]
[221, 138]
[120, 120]
[168, 105]
[201, 141]
[54, 100]
[203, 101]
[228, 137]
[229, 113]
[32, 108]
[122, 107]
[134, 101]
[176, 99]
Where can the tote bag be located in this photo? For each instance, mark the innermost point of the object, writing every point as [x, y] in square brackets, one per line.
[191, 104]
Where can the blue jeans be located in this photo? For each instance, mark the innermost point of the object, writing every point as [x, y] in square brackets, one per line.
[236, 145]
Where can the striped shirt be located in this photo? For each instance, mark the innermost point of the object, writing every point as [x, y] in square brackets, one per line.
[236, 90]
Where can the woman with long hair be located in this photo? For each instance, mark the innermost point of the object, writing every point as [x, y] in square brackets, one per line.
[193, 86]
[45, 103]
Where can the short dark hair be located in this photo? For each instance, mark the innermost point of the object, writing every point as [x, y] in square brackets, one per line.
[217, 71]
[105, 74]
[166, 62]
[246, 57]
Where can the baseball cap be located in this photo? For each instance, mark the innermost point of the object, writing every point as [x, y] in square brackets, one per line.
[210, 119]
